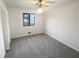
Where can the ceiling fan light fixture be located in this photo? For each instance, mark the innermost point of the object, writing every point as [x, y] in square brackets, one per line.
[40, 10]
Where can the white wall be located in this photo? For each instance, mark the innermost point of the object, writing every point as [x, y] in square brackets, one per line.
[63, 24]
[2, 4]
[5, 24]
[16, 23]
[2, 49]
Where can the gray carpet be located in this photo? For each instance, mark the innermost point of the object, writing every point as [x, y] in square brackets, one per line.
[39, 46]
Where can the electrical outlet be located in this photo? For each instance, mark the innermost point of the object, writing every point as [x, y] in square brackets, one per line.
[29, 32]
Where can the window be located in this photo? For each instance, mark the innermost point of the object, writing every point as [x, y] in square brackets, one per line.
[28, 19]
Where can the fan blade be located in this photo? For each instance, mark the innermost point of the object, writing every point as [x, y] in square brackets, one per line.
[44, 3]
[50, 2]
[45, 0]
[40, 0]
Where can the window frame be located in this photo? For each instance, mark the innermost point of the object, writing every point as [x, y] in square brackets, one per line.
[28, 19]
[34, 19]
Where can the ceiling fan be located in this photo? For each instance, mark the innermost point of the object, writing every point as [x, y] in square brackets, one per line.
[42, 4]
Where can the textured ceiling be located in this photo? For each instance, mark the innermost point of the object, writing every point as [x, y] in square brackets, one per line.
[29, 4]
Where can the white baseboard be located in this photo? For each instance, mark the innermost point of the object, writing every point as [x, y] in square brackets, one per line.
[64, 43]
